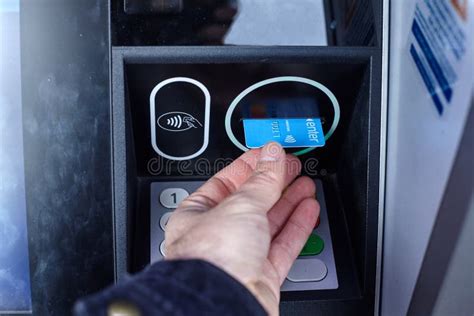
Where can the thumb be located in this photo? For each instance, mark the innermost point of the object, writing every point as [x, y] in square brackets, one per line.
[264, 187]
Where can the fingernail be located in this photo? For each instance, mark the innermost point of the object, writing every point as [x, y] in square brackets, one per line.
[271, 152]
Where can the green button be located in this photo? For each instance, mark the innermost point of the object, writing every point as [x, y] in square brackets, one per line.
[314, 245]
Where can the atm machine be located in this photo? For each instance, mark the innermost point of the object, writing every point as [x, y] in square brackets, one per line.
[186, 74]
[128, 106]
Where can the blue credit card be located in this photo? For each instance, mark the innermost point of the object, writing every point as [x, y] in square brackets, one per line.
[290, 132]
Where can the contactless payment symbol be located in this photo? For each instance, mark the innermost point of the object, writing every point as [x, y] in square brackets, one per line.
[177, 121]
[290, 139]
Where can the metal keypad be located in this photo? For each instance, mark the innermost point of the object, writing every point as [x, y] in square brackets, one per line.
[310, 272]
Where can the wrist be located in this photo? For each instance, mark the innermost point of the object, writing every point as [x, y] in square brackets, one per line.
[264, 296]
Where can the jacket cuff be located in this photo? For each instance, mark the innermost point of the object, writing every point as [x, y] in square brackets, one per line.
[186, 287]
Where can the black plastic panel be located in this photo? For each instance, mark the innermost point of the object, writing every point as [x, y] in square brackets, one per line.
[224, 82]
[349, 163]
[66, 117]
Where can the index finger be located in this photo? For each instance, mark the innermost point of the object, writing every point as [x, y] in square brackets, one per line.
[231, 178]
[223, 183]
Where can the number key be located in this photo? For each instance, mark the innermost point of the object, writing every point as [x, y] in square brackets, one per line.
[171, 197]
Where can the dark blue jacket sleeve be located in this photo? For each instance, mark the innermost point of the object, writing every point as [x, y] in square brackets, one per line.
[190, 287]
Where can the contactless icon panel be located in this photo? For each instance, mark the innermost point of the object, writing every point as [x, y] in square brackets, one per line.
[179, 118]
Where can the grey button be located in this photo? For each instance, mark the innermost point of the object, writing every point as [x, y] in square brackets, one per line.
[307, 270]
[171, 197]
[164, 220]
[162, 248]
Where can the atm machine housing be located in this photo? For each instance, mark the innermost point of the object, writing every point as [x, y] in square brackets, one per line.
[351, 165]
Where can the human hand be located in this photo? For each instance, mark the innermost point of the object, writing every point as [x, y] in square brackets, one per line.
[251, 220]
